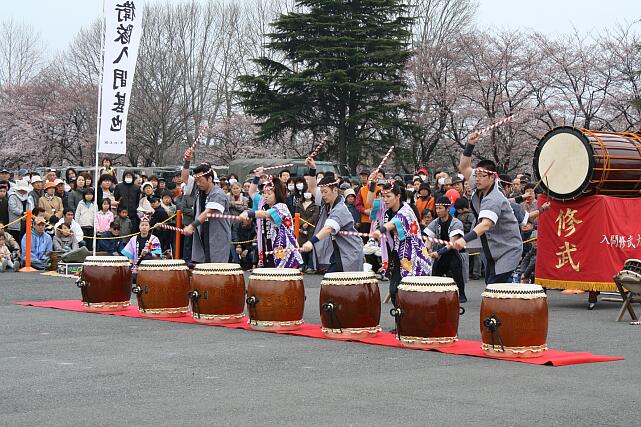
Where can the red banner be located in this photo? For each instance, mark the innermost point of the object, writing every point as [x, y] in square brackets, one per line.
[583, 243]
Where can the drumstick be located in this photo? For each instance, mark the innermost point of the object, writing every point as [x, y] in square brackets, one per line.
[496, 124]
[384, 159]
[196, 141]
[317, 149]
[276, 167]
[544, 175]
[356, 233]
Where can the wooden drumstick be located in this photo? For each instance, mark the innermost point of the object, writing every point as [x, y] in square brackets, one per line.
[544, 175]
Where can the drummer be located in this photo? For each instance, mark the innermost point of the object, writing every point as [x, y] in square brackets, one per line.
[274, 224]
[341, 252]
[496, 225]
[409, 256]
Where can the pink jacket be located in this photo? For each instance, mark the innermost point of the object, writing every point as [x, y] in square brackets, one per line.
[103, 221]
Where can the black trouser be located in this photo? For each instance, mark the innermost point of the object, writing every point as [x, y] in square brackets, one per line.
[88, 233]
[451, 262]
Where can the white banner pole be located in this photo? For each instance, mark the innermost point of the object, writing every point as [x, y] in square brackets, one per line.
[98, 121]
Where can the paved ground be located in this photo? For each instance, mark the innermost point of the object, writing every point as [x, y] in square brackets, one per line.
[64, 368]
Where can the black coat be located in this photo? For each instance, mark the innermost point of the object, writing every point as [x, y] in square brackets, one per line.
[128, 196]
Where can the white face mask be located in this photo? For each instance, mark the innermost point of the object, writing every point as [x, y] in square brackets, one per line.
[290, 187]
[300, 186]
[307, 195]
[441, 181]
[128, 180]
[233, 181]
[422, 177]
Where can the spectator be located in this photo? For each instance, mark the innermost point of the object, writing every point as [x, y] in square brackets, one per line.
[108, 244]
[528, 263]
[237, 201]
[104, 190]
[144, 207]
[19, 203]
[11, 243]
[296, 195]
[123, 221]
[5, 175]
[106, 169]
[425, 201]
[159, 216]
[70, 176]
[350, 199]
[37, 185]
[104, 217]
[60, 191]
[167, 203]
[6, 261]
[85, 214]
[458, 185]
[51, 175]
[51, 203]
[88, 180]
[309, 213]
[4, 202]
[127, 195]
[41, 245]
[76, 195]
[64, 240]
[244, 232]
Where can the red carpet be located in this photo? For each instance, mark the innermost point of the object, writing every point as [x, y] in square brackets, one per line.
[466, 348]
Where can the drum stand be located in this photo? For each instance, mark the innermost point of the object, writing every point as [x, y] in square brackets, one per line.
[629, 286]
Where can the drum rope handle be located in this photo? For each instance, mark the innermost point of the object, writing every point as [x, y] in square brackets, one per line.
[397, 313]
[83, 289]
[251, 304]
[330, 307]
[492, 324]
[138, 291]
[195, 304]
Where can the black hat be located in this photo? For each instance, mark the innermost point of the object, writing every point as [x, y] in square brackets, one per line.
[153, 198]
[424, 186]
[364, 172]
[457, 179]
[505, 178]
[4, 170]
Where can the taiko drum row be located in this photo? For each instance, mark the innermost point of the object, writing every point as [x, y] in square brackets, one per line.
[513, 316]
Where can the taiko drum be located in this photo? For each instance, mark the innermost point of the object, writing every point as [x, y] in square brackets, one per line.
[105, 283]
[217, 293]
[163, 288]
[275, 299]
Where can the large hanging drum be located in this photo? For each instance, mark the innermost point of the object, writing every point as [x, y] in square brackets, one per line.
[350, 305]
[217, 293]
[163, 288]
[275, 299]
[514, 320]
[105, 283]
[575, 162]
[427, 312]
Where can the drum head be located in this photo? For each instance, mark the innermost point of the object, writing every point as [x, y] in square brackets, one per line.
[347, 275]
[278, 272]
[100, 261]
[567, 157]
[163, 263]
[217, 267]
[514, 290]
[427, 280]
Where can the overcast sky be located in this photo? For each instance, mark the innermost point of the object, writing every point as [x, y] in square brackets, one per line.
[58, 20]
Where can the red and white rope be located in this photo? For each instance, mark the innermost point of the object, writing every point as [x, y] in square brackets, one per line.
[224, 216]
[170, 227]
[356, 233]
[276, 167]
[196, 141]
[496, 124]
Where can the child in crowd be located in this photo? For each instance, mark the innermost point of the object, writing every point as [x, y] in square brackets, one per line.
[142, 246]
[245, 251]
[6, 262]
[104, 217]
[350, 199]
[85, 213]
[107, 244]
[160, 216]
[167, 203]
[123, 222]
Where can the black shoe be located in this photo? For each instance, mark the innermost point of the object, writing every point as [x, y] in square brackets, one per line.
[462, 299]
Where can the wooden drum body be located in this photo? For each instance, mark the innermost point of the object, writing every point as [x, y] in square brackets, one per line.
[105, 283]
[163, 288]
[630, 276]
[579, 162]
[427, 312]
[217, 293]
[514, 320]
[276, 299]
[350, 305]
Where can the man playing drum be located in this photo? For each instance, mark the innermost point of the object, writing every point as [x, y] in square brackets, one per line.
[496, 225]
[345, 252]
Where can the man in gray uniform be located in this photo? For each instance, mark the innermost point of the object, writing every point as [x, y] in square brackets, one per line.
[211, 235]
[344, 253]
[496, 225]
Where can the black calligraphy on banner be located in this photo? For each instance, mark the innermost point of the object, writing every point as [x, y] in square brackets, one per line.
[126, 11]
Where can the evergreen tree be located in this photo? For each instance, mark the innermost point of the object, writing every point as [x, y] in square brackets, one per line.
[346, 76]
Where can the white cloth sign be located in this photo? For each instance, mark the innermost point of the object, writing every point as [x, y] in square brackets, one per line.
[123, 28]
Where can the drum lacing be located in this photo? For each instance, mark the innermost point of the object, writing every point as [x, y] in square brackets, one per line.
[83, 289]
[330, 307]
[195, 304]
[138, 291]
[251, 305]
[397, 313]
[492, 324]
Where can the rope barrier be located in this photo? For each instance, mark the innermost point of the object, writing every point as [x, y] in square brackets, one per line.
[13, 222]
[132, 234]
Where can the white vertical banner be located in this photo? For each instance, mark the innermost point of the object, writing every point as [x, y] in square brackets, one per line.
[123, 28]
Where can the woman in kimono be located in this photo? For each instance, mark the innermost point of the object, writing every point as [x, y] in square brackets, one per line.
[141, 247]
[409, 256]
[274, 224]
[342, 252]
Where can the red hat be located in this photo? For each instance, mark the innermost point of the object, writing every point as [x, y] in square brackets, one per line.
[422, 170]
[453, 195]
